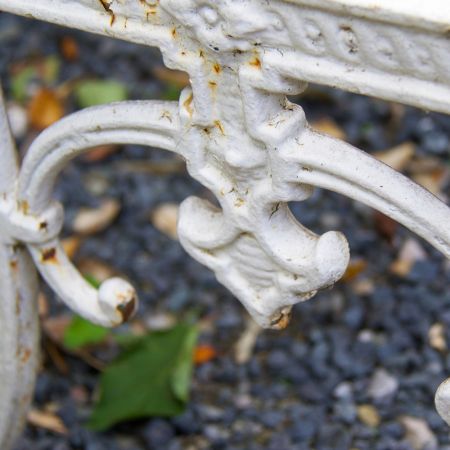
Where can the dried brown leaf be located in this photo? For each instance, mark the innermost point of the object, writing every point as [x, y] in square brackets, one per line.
[176, 77]
[330, 127]
[46, 420]
[44, 109]
[397, 157]
[94, 220]
[164, 218]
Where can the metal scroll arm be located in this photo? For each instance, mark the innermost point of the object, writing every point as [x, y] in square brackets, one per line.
[30, 220]
[131, 122]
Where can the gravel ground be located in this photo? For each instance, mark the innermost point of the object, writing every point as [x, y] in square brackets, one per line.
[353, 362]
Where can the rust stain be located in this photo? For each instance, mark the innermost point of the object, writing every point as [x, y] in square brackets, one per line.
[25, 354]
[174, 32]
[126, 310]
[187, 104]
[239, 202]
[13, 264]
[107, 7]
[281, 322]
[219, 125]
[49, 255]
[212, 84]
[166, 115]
[201, 54]
[255, 62]
[24, 206]
[43, 226]
[217, 68]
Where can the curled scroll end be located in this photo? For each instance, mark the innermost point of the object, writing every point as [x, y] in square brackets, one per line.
[442, 400]
[118, 299]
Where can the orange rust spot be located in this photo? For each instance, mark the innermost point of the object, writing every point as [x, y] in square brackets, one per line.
[255, 62]
[281, 322]
[126, 310]
[25, 354]
[174, 32]
[107, 7]
[217, 68]
[212, 84]
[187, 104]
[49, 255]
[219, 125]
[13, 264]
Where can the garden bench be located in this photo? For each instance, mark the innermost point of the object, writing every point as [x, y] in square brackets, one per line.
[240, 137]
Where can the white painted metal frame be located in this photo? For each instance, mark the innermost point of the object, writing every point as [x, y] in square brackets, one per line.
[240, 137]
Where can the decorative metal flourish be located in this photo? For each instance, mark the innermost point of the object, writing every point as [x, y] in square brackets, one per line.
[240, 137]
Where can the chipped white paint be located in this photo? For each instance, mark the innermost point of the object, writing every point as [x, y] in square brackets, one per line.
[240, 137]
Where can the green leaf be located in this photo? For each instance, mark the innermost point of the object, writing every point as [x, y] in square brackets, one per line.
[171, 92]
[92, 280]
[80, 332]
[20, 83]
[98, 92]
[151, 378]
[52, 66]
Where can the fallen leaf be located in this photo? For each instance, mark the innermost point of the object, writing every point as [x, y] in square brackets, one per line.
[46, 420]
[98, 92]
[385, 226]
[204, 353]
[56, 357]
[55, 327]
[436, 337]
[94, 220]
[81, 333]
[364, 286]
[177, 78]
[69, 48]
[44, 109]
[368, 415]
[49, 69]
[21, 81]
[43, 306]
[164, 218]
[355, 267]
[95, 271]
[100, 153]
[246, 343]
[418, 433]
[433, 181]
[410, 252]
[150, 378]
[71, 245]
[330, 127]
[397, 157]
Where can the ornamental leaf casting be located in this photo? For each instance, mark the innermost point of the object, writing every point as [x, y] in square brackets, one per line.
[240, 137]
